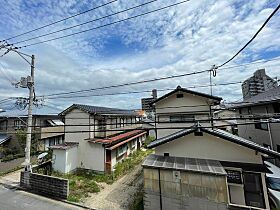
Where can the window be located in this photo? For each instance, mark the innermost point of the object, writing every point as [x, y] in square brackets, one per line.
[278, 148]
[181, 118]
[249, 110]
[18, 124]
[261, 125]
[276, 108]
[267, 146]
[253, 190]
[121, 150]
[180, 95]
[166, 154]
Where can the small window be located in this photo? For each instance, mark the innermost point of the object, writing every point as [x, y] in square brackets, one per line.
[267, 146]
[278, 148]
[249, 110]
[121, 150]
[261, 125]
[166, 154]
[180, 95]
[181, 118]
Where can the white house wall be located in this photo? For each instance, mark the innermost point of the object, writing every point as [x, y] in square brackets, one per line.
[73, 133]
[59, 163]
[71, 159]
[92, 156]
[208, 147]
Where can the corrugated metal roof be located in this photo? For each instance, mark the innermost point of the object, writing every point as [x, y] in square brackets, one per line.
[4, 138]
[99, 110]
[184, 164]
[65, 145]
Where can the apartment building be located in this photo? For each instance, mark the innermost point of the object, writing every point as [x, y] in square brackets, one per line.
[258, 83]
[96, 138]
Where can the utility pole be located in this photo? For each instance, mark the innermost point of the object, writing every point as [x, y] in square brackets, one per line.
[30, 85]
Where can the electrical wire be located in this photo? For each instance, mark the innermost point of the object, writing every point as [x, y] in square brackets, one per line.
[255, 35]
[143, 91]
[72, 16]
[105, 25]
[84, 23]
[132, 129]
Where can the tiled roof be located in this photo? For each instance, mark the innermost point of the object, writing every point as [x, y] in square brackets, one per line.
[218, 133]
[117, 138]
[184, 164]
[65, 145]
[99, 110]
[179, 88]
[4, 138]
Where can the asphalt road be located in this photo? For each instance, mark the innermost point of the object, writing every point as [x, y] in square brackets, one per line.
[11, 199]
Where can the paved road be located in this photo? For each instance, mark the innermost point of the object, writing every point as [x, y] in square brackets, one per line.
[18, 200]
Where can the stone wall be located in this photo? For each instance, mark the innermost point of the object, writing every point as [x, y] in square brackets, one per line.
[45, 185]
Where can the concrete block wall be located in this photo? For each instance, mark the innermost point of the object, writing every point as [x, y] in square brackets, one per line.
[45, 185]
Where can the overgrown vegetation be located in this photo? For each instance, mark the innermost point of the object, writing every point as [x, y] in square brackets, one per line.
[82, 181]
[148, 140]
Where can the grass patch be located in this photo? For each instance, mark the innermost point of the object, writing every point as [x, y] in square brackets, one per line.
[129, 163]
[82, 181]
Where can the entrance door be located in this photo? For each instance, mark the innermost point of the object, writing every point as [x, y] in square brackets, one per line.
[253, 190]
[108, 161]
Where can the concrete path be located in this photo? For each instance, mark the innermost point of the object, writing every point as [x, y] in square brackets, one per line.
[119, 195]
[11, 179]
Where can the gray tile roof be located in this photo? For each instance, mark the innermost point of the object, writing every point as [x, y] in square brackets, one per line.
[179, 88]
[218, 133]
[4, 138]
[99, 110]
[184, 164]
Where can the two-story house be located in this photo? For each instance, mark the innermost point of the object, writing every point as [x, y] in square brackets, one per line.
[47, 129]
[96, 138]
[199, 166]
[259, 118]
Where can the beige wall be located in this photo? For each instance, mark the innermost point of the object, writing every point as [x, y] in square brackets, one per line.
[189, 104]
[50, 131]
[59, 160]
[72, 161]
[208, 147]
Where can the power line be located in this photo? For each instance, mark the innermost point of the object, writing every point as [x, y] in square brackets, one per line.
[132, 129]
[75, 15]
[152, 80]
[255, 35]
[105, 25]
[84, 23]
[136, 92]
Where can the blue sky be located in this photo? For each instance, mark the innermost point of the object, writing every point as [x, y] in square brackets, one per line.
[186, 38]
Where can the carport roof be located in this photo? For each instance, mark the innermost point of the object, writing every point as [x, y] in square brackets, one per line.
[184, 164]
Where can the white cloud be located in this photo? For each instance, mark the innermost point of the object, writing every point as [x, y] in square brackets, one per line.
[189, 37]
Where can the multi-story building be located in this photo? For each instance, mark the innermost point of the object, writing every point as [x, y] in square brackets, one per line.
[146, 102]
[180, 108]
[43, 128]
[258, 83]
[96, 138]
[259, 118]
[196, 166]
